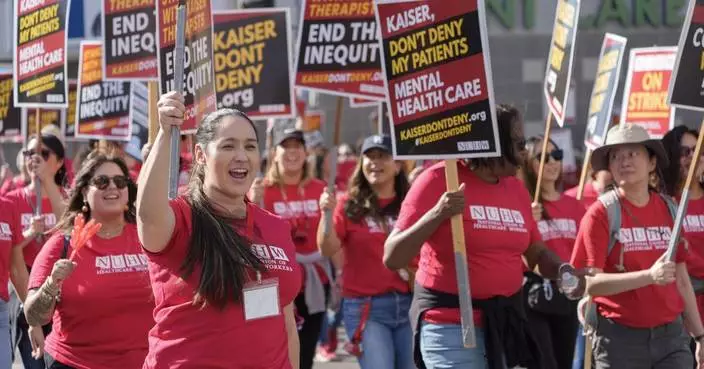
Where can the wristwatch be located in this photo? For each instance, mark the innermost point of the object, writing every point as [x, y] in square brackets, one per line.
[699, 337]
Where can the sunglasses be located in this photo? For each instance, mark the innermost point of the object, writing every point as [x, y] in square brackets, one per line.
[686, 151]
[556, 154]
[29, 153]
[102, 182]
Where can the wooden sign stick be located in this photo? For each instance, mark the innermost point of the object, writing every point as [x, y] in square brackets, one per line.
[583, 176]
[153, 110]
[461, 267]
[543, 156]
[327, 222]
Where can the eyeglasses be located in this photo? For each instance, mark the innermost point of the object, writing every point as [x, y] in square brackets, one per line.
[556, 154]
[102, 182]
[31, 152]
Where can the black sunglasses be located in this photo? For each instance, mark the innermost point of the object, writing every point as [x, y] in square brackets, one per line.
[687, 151]
[102, 182]
[31, 152]
[556, 154]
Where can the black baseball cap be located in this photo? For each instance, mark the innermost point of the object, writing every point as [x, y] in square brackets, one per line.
[291, 133]
[381, 142]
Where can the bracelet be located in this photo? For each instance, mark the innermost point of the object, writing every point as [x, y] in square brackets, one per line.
[699, 337]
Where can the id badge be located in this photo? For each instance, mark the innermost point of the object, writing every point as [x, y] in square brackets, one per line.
[261, 298]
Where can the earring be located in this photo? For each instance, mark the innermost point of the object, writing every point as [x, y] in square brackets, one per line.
[127, 207]
[85, 207]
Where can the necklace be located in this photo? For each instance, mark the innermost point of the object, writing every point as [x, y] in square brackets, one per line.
[111, 233]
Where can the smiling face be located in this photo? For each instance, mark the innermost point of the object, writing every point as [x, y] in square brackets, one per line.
[552, 168]
[232, 158]
[687, 145]
[290, 156]
[631, 165]
[107, 194]
[379, 167]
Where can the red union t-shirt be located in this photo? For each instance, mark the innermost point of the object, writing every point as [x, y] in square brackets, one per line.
[364, 272]
[498, 228]
[645, 237]
[106, 304]
[186, 336]
[560, 231]
[8, 238]
[24, 205]
[693, 228]
[589, 194]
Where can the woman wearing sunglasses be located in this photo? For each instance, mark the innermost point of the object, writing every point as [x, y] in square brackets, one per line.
[551, 315]
[499, 233]
[45, 165]
[679, 145]
[98, 296]
[644, 303]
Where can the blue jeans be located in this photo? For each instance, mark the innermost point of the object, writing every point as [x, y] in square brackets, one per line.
[387, 340]
[442, 348]
[5, 341]
[578, 361]
[330, 322]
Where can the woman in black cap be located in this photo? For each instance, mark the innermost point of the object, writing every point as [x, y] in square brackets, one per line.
[376, 299]
[290, 193]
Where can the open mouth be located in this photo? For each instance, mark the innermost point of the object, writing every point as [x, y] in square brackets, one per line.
[111, 197]
[238, 173]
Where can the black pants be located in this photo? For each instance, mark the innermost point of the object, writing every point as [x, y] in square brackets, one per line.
[309, 333]
[556, 336]
[51, 363]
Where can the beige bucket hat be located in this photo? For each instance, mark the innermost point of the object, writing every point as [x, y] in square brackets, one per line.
[624, 135]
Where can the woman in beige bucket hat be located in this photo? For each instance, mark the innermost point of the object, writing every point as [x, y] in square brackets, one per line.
[644, 303]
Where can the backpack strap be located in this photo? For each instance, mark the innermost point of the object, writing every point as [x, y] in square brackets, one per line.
[612, 204]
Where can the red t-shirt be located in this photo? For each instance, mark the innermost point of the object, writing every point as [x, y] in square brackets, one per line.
[8, 238]
[589, 195]
[560, 231]
[186, 336]
[345, 170]
[24, 205]
[364, 272]
[106, 304]
[693, 228]
[645, 236]
[498, 228]
[11, 184]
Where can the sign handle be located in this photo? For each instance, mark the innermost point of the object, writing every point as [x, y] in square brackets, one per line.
[327, 222]
[38, 185]
[153, 110]
[583, 176]
[543, 156]
[684, 200]
[174, 168]
[460, 251]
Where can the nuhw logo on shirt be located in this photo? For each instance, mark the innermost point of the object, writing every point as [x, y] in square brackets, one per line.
[644, 239]
[294, 209]
[49, 219]
[121, 263]
[557, 228]
[273, 257]
[374, 226]
[497, 219]
[5, 232]
[693, 223]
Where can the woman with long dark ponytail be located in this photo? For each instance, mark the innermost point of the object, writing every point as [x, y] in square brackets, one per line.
[223, 270]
